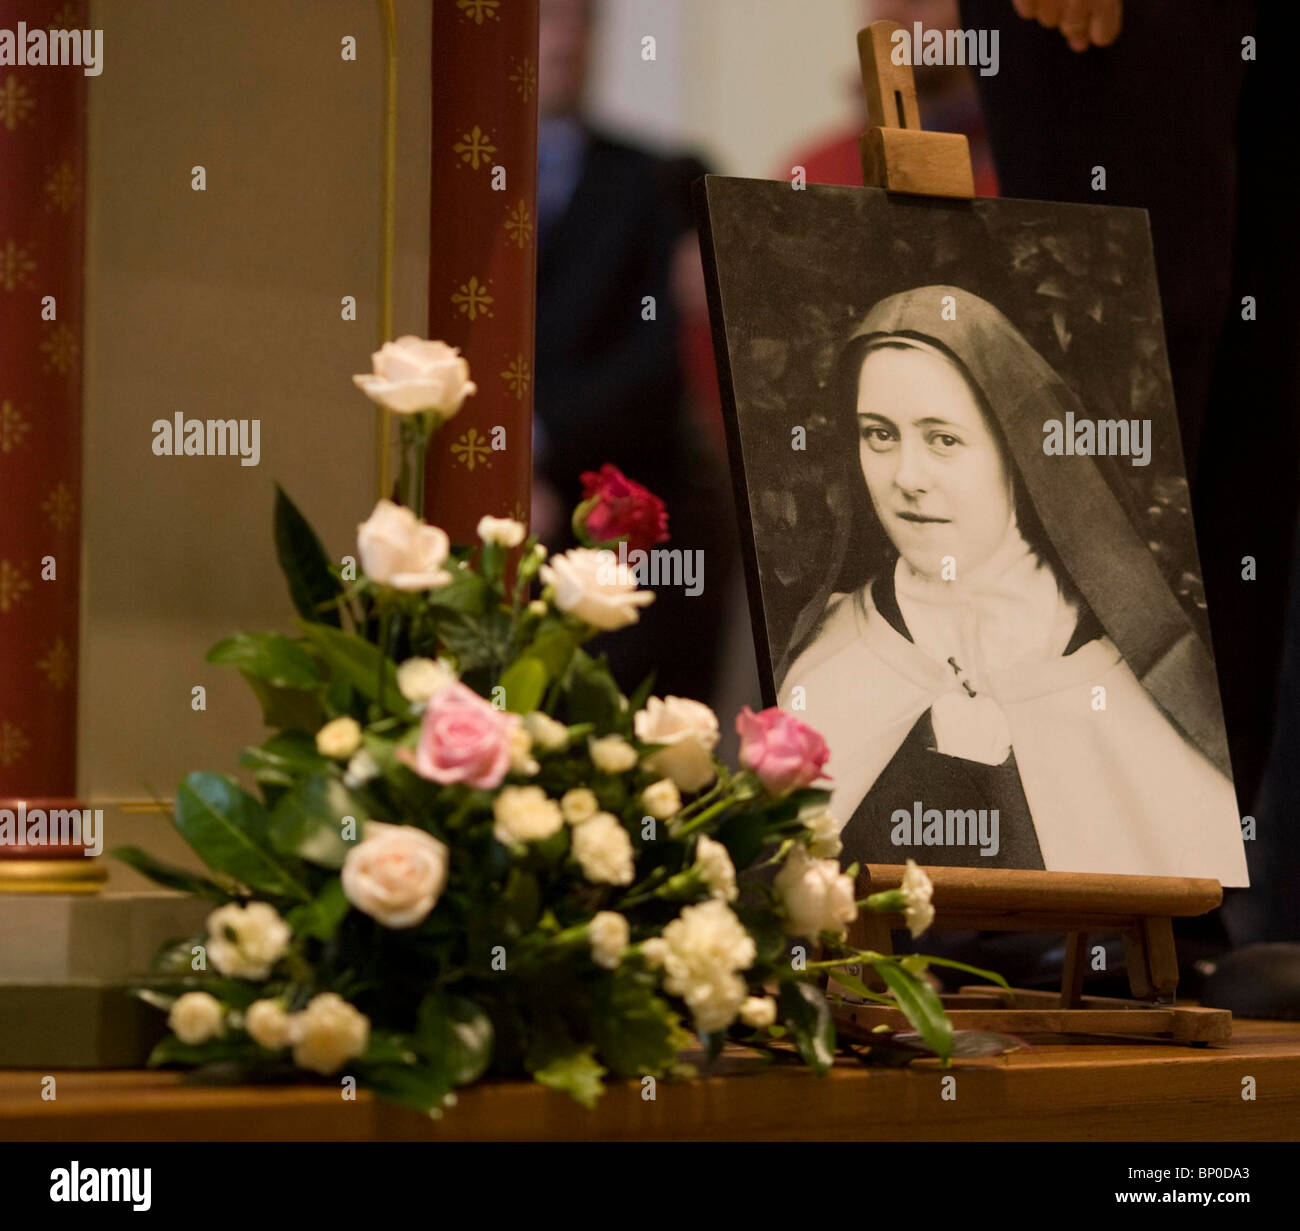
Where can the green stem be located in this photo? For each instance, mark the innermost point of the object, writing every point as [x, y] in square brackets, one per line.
[707, 815]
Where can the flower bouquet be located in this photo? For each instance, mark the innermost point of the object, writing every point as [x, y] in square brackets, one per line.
[467, 852]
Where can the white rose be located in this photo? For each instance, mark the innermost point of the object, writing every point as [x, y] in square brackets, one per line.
[196, 1017]
[361, 769]
[244, 942]
[608, 934]
[339, 739]
[716, 869]
[419, 678]
[397, 549]
[579, 804]
[704, 948]
[547, 734]
[917, 891]
[412, 375]
[818, 896]
[501, 531]
[328, 1033]
[825, 830]
[688, 730]
[758, 1012]
[268, 1025]
[395, 874]
[654, 951]
[520, 744]
[592, 586]
[525, 814]
[604, 851]
[662, 799]
[612, 754]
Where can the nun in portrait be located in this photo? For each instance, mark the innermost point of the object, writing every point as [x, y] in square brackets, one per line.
[992, 632]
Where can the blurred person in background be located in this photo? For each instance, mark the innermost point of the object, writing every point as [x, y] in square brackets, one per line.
[614, 243]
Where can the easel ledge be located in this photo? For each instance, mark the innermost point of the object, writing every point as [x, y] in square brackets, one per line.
[899, 157]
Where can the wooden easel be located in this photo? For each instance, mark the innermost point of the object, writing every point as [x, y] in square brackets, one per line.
[899, 157]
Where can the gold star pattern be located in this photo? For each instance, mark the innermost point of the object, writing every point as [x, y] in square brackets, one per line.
[13, 585]
[13, 743]
[13, 427]
[523, 76]
[56, 666]
[468, 448]
[478, 11]
[16, 103]
[519, 225]
[518, 377]
[61, 188]
[16, 266]
[473, 300]
[60, 507]
[475, 147]
[61, 351]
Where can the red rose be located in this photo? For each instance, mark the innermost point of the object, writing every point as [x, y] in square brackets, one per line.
[614, 507]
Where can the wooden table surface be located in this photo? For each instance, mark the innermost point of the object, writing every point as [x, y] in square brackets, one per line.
[1078, 1090]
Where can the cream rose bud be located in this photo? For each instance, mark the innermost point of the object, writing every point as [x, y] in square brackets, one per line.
[825, 833]
[592, 586]
[244, 942]
[608, 934]
[713, 861]
[662, 799]
[397, 549]
[612, 754]
[818, 897]
[268, 1024]
[654, 951]
[579, 804]
[328, 1033]
[917, 890]
[525, 814]
[339, 739]
[501, 531]
[689, 732]
[537, 607]
[419, 678]
[758, 1012]
[196, 1017]
[395, 874]
[413, 375]
[521, 746]
[604, 851]
[548, 735]
[361, 769]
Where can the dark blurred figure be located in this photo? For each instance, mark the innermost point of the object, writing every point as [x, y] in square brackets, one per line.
[613, 225]
[1180, 118]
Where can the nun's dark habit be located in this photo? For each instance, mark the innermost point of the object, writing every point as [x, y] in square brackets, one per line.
[1140, 786]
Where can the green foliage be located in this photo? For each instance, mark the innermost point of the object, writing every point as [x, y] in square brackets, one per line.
[577, 1074]
[808, 1019]
[314, 589]
[170, 877]
[308, 821]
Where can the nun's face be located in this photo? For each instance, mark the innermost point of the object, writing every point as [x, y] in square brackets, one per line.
[934, 468]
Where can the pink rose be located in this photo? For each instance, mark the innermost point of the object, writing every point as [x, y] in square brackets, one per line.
[785, 753]
[464, 739]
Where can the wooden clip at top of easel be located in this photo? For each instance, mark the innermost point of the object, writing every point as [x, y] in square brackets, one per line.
[897, 154]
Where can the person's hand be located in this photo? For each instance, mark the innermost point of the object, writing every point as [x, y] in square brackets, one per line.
[1083, 23]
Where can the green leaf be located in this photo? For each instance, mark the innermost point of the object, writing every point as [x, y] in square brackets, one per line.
[991, 975]
[851, 983]
[577, 1075]
[455, 1036]
[522, 898]
[171, 877]
[289, 709]
[171, 1050]
[284, 758]
[808, 1016]
[320, 918]
[312, 587]
[358, 662]
[417, 1086]
[636, 1032]
[593, 696]
[229, 830]
[524, 682]
[279, 660]
[466, 594]
[920, 1003]
[308, 821]
[554, 646]
[744, 836]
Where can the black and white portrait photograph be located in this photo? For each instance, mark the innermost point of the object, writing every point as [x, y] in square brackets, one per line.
[970, 554]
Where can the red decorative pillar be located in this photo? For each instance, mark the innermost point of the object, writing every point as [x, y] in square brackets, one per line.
[42, 243]
[483, 254]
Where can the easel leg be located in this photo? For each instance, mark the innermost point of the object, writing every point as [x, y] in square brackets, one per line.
[1162, 957]
[1076, 954]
